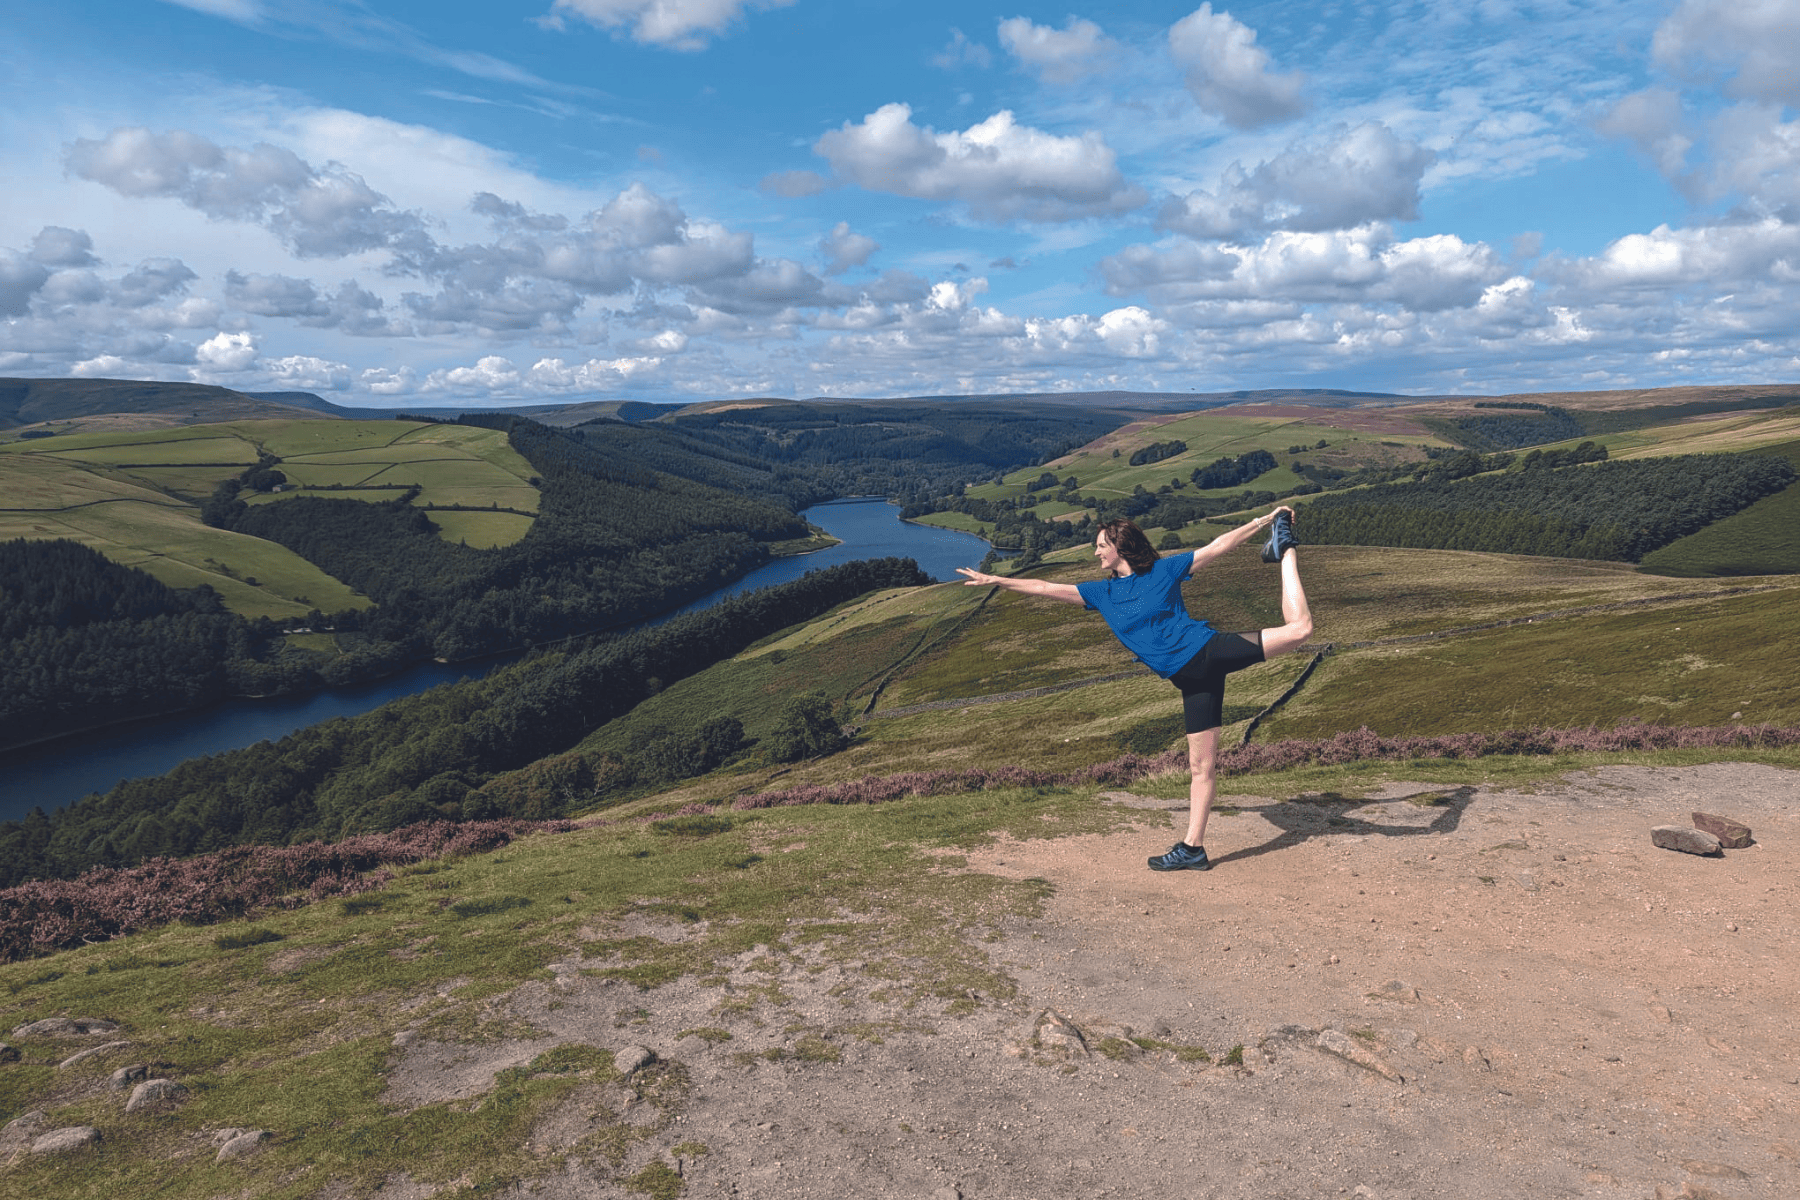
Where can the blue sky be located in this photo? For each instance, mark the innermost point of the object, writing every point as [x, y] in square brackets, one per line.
[454, 203]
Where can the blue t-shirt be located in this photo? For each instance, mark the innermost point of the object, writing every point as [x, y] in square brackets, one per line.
[1147, 614]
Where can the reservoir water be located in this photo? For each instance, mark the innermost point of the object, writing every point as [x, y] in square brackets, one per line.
[57, 774]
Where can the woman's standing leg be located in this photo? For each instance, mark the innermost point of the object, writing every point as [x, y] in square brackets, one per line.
[1203, 754]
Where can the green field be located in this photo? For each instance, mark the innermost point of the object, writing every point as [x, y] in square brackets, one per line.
[190, 452]
[296, 438]
[311, 474]
[1761, 538]
[482, 530]
[41, 484]
[191, 483]
[1214, 434]
[255, 578]
[135, 497]
[67, 442]
[451, 464]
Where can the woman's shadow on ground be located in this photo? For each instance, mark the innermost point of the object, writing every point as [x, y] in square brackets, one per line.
[1323, 814]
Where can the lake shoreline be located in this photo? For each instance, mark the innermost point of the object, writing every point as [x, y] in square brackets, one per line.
[825, 540]
[57, 772]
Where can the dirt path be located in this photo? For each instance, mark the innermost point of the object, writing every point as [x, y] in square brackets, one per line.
[1494, 995]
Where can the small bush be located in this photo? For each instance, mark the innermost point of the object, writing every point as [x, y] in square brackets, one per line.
[692, 825]
[488, 905]
[356, 906]
[256, 935]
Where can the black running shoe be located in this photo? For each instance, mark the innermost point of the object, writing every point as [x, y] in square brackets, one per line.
[1281, 539]
[1181, 857]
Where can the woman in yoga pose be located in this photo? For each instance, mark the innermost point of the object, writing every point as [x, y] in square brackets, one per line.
[1141, 602]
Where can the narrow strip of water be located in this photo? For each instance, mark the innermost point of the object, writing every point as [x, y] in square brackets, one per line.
[57, 774]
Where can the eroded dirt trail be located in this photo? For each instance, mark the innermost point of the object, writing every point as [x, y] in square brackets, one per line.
[1471, 993]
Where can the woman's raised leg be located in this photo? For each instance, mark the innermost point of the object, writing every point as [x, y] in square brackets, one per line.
[1297, 617]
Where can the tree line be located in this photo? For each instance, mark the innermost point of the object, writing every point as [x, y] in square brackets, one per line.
[1607, 510]
[421, 757]
[84, 640]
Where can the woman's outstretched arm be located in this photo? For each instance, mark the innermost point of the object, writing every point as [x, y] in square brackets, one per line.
[1233, 538]
[1066, 592]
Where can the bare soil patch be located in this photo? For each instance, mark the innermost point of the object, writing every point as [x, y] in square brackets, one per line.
[1467, 992]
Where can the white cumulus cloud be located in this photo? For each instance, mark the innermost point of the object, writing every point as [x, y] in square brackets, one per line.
[306, 372]
[999, 168]
[843, 249]
[21, 278]
[1229, 74]
[1131, 331]
[1753, 41]
[1057, 56]
[1359, 175]
[323, 212]
[227, 352]
[1365, 264]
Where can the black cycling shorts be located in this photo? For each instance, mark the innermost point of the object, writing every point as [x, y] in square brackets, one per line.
[1202, 680]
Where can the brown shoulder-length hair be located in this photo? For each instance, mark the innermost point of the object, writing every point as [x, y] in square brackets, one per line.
[1123, 535]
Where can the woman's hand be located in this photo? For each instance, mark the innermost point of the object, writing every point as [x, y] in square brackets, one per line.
[976, 578]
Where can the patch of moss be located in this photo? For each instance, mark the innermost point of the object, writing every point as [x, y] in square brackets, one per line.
[659, 1181]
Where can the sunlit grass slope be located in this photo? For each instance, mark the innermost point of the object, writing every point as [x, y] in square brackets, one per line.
[1353, 438]
[1660, 650]
[450, 464]
[135, 496]
[47, 498]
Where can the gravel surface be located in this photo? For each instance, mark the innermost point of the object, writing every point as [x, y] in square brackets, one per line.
[1464, 993]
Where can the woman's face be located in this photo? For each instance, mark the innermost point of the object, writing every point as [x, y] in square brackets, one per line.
[1103, 550]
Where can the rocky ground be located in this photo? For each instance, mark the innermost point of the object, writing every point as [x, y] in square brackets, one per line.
[1462, 993]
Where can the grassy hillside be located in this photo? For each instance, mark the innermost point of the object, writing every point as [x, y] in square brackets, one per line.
[729, 908]
[1761, 538]
[135, 496]
[1353, 438]
[79, 402]
[1426, 643]
[732, 908]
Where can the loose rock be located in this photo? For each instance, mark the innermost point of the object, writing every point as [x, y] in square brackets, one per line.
[1056, 1032]
[1397, 991]
[62, 1027]
[1688, 841]
[246, 1142]
[60, 1141]
[1347, 1048]
[153, 1092]
[90, 1052]
[632, 1059]
[21, 1130]
[1713, 1170]
[1731, 835]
